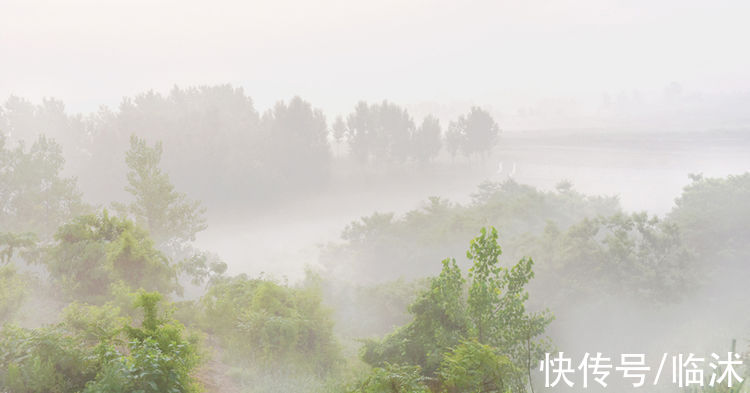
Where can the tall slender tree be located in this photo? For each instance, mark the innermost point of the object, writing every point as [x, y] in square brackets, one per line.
[168, 215]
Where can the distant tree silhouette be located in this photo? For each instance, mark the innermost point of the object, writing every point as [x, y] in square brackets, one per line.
[473, 133]
[427, 139]
[381, 132]
[299, 151]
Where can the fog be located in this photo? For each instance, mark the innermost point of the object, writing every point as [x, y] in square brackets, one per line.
[286, 178]
[558, 59]
[645, 170]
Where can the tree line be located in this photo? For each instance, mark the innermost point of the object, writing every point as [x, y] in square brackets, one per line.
[109, 269]
[218, 139]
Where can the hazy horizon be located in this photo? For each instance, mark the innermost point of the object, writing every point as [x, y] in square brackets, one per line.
[533, 65]
[372, 196]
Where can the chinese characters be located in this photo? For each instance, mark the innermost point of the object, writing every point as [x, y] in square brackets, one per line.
[686, 370]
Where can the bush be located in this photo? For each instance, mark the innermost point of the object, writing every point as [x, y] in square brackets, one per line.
[384, 246]
[634, 254]
[393, 378]
[95, 252]
[86, 353]
[264, 323]
[452, 330]
[713, 215]
[474, 367]
[13, 290]
[43, 360]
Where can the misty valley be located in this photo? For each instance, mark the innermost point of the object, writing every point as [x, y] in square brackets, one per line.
[189, 242]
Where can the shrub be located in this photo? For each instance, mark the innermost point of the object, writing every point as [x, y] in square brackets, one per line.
[12, 292]
[43, 360]
[393, 378]
[96, 251]
[264, 323]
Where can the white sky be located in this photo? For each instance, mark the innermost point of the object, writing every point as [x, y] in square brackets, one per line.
[334, 53]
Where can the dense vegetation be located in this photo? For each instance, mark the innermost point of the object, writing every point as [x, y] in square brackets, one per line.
[222, 150]
[487, 328]
[381, 315]
[91, 351]
[261, 322]
[586, 245]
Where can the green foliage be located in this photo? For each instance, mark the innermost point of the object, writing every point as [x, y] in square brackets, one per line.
[43, 360]
[159, 359]
[165, 213]
[93, 325]
[493, 314]
[12, 243]
[583, 245]
[266, 324]
[95, 252]
[635, 254]
[496, 303]
[472, 367]
[486, 283]
[381, 244]
[439, 322]
[393, 378]
[713, 216]
[85, 353]
[203, 267]
[13, 291]
[370, 310]
[34, 197]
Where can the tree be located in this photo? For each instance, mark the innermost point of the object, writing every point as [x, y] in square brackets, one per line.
[299, 153]
[713, 217]
[338, 129]
[203, 267]
[384, 246]
[427, 139]
[14, 287]
[360, 132]
[492, 314]
[396, 127]
[16, 243]
[380, 132]
[43, 360]
[473, 133]
[86, 353]
[636, 254]
[486, 283]
[453, 139]
[267, 325]
[24, 120]
[34, 197]
[477, 368]
[338, 132]
[167, 214]
[215, 129]
[440, 322]
[94, 252]
[496, 305]
[160, 359]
